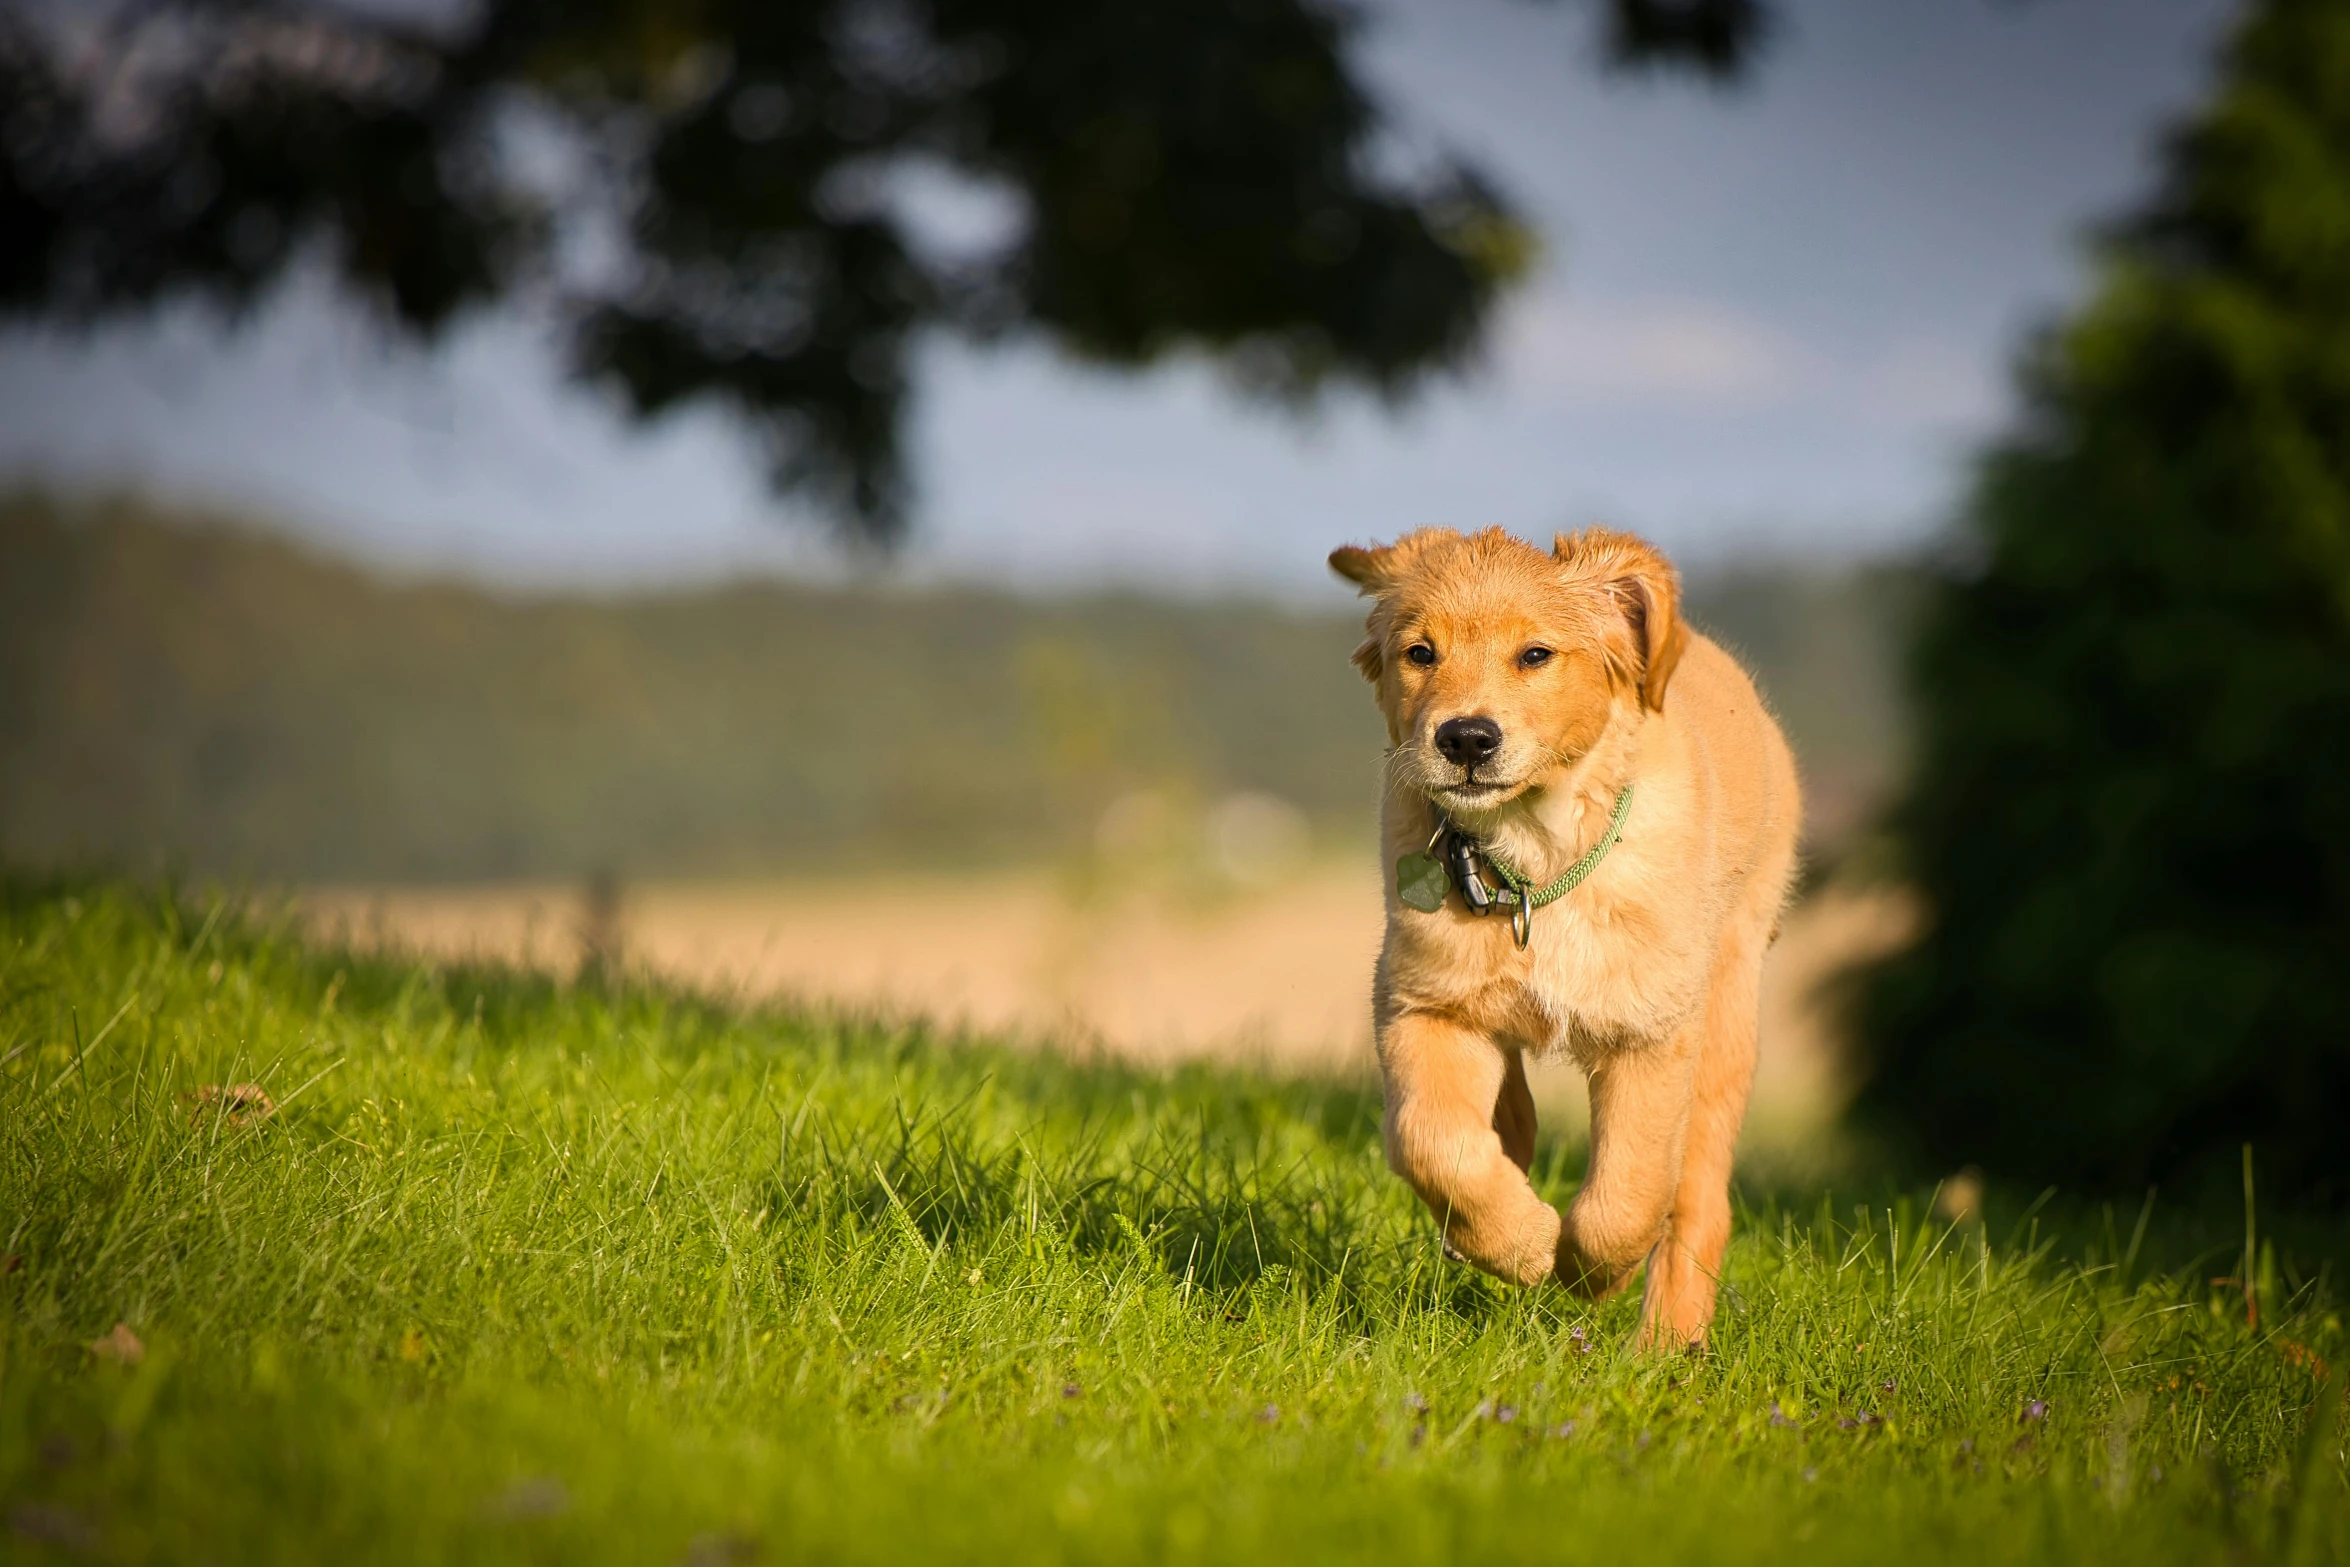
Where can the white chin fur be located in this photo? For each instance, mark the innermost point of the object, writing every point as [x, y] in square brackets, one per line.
[1480, 798]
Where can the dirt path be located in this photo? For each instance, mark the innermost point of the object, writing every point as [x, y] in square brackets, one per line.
[1281, 976]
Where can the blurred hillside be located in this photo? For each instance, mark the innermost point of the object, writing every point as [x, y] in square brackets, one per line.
[176, 685]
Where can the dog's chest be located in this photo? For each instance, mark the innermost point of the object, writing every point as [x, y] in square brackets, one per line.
[1603, 974]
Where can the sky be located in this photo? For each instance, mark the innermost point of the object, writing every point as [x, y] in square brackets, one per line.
[1771, 322]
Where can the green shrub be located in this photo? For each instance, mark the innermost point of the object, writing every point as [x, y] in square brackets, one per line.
[2130, 810]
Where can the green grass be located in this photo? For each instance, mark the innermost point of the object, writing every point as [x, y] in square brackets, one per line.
[526, 1272]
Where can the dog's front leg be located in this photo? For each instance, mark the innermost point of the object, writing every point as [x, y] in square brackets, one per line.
[1640, 1097]
[1447, 1099]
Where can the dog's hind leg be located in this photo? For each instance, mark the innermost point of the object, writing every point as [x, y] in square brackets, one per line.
[1513, 1112]
[1639, 1115]
[1686, 1268]
[1459, 1117]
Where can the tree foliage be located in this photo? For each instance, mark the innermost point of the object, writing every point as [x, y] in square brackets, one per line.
[724, 219]
[2130, 812]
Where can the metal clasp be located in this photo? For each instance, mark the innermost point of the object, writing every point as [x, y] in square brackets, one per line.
[1460, 862]
[1460, 859]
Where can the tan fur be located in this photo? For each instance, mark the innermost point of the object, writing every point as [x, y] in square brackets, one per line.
[1648, 975]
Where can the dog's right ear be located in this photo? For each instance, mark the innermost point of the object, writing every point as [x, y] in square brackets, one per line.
[1366, 569]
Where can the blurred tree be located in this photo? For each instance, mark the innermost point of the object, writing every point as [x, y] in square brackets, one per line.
[715, 188]
[2130, 809]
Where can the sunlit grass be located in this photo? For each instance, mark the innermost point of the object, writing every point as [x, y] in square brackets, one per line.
[516, 1270]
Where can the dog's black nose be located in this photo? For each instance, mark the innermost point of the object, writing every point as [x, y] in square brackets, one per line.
[1466, 742]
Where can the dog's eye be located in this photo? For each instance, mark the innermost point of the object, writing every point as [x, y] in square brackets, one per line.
[1421, 654]
[1534, 658]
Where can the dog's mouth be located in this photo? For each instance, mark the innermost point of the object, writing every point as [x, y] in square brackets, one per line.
[1472, 792]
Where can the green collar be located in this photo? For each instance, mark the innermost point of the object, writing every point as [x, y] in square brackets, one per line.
[1421, 879]
[1573, 876]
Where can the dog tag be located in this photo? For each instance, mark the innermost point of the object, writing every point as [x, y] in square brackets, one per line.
[1419, 882]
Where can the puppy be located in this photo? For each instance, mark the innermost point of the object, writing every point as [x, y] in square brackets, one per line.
[1556, 730]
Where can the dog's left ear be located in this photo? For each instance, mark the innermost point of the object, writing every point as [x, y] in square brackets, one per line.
[1652, 603]
[1646, 587]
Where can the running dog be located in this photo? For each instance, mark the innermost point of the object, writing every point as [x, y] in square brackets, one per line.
[1590, 831]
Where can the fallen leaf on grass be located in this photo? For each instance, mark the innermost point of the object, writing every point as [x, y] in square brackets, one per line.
[720, 1550]
[243, 1104]
[2302, 1358]
[52, 1524]
[121, 1346]
[539, 1496]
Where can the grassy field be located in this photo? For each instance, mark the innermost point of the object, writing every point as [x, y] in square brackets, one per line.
[532, 1272]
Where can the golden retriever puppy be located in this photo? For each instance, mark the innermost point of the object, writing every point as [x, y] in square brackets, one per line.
[1590, 829]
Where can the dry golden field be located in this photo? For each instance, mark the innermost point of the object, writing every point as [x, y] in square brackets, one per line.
[1280, 976]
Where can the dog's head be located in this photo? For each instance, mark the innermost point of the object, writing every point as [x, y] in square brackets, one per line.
[1498, 666]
